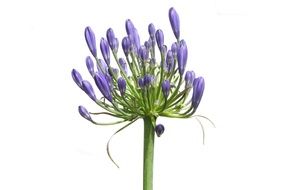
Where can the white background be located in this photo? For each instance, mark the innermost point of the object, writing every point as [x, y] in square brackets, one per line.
[237, 45]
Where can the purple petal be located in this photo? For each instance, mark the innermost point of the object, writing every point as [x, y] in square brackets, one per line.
[175, 22]
[84, 113]
[76, 77]
[88, 89]
[90, 66]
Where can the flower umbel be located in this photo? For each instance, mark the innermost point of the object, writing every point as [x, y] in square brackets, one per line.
[149, 82]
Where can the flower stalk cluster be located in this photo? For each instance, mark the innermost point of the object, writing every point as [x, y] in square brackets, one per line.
[149, 81]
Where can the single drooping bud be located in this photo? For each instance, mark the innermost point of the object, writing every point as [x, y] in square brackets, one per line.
[76, 77]
[112, 40]
[122, 86]
[84, 113]
[126, 44]
[165, 88]
[189, 78]
[143, 53]
[90, 40]
[124, 66]
[169, 61]
[159, 130]
[105, 50]
[182, 54]
[159, 38]
[198, 89]
[151, 30]
[90, 66]
[175, 22]
[88, 89]
[103, 85]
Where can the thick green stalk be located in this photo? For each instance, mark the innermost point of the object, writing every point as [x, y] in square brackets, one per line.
[148, 153]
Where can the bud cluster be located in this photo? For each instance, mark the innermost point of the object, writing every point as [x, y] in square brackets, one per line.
[140, 83]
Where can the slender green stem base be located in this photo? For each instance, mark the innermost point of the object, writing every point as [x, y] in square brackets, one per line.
[148, 153]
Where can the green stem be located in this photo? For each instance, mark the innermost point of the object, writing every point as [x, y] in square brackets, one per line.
[149, 125]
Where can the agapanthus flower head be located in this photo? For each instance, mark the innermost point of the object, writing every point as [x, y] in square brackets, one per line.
[159, 129]
[145, 83]
[90, 40]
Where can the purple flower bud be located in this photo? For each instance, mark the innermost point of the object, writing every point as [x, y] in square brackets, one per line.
[159, 38]
[126, 44]
[122, 86]
[112, 40]
[147, 44]
[165, 88]
[189, 78]
[91, 41]
[103, 85]
[129, 26]
[123, 64]
[198, 89]
[105, 50]
[159, 129]
[174, 48]
[84, 113]
[88, 89]
[76, 77]
[90, 66]
[147, 80]
[115, 72]
[151, 30]
[182, 54]
[141, 82]
[169, 61]
[143, 53]
[102, 66]
[174, 21]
